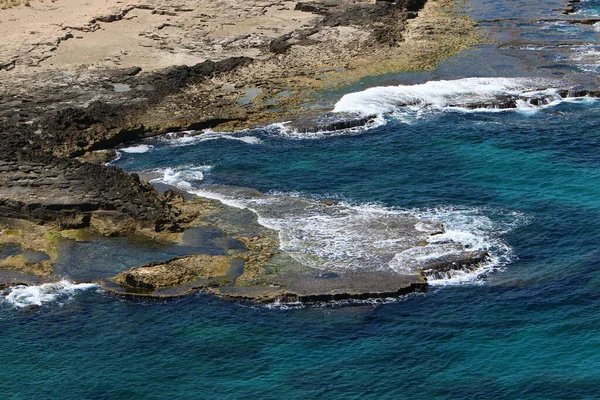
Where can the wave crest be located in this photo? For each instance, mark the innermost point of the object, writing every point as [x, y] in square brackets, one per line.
[459, 93]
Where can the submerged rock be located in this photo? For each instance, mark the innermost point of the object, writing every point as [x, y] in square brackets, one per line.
[444, 267]
[329, 122]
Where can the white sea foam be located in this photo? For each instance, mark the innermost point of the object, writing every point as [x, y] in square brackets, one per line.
[278, 305]
[475, 229]
[118, 156]
[26, 296]
[192, 137]
[365, 236]
[564, 27]
[139, 149]
[284, 130]
[373, 237]
[279, 129]
[182, 177]
[586, 57]
[533, 48]
[435, 95]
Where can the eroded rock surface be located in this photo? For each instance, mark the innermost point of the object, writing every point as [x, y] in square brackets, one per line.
[77, 78]
[47, 189]
[175, 272]
[112, 73]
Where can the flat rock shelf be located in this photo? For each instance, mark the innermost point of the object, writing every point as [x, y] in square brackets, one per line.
[290, 262]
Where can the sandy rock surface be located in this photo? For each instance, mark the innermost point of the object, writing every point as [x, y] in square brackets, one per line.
[152, 34]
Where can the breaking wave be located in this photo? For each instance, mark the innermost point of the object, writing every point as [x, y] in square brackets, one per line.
[367, 236]
[181, 177]
[188, 138]
[139, 149]
[478, 229]
[479, 94]
[26, 296]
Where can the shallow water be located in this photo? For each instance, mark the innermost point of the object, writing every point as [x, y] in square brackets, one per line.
[101, 257]
[524, 183]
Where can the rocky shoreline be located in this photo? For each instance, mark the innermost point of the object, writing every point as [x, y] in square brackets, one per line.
[78, 108]
[265, 271]
[60, 118]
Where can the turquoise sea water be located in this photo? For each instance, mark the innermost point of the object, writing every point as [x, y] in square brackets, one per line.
[588, 7]
[527, 182]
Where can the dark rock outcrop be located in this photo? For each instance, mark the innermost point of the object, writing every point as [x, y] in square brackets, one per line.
[68, 130]
[281, 44]
[43, 188]
[387, 17]
[330, 297]
[570, 7]
[329, 122]
[443, 268]
[41, 132]
[512, 101]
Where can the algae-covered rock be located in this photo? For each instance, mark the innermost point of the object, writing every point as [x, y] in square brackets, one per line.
[174, 272]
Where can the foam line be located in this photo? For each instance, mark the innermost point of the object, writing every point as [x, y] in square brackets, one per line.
[191, 137]
[139, 149]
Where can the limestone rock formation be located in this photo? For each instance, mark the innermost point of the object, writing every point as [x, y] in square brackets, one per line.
[175, 272]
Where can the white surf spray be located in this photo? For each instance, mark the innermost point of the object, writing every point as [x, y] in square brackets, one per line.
[352, 237]
[440, 95]
[476, 230]
[27, 296]
[192, 137]
[182, 177]
[139, 149]
[279, 129]
[586, 57]
[286, 131]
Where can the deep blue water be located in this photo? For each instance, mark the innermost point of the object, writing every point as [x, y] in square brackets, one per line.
[527, 331]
